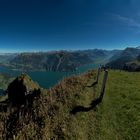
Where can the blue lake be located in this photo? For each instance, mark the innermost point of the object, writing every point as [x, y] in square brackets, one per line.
[47, 79]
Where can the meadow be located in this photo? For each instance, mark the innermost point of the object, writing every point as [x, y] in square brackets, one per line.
[66, 111]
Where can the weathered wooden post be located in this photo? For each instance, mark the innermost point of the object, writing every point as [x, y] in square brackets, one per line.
[98, 74]
[104, 84]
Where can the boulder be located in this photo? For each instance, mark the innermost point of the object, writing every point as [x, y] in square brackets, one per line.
[19, 89]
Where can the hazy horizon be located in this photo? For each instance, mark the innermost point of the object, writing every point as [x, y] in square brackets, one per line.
[36, 51]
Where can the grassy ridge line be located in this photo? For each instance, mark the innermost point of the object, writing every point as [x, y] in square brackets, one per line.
[48, 117]
[73, 90]
[118, 117]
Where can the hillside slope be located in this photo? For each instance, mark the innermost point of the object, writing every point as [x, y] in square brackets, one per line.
[126, 56]
[118, 117]
[5, 79]
[50, 115]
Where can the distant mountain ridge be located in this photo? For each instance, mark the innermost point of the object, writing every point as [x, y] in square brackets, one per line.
[58, 60]
[6, 57]
[70, 60]
[125, 58]
[138, 47]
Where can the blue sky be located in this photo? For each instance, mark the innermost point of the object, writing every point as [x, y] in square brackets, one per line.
[41, 25]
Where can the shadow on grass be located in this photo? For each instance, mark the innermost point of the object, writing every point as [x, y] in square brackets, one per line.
[95, 83]
[93, 104]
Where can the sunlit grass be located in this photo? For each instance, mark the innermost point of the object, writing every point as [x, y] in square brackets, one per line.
[119, 114]
[116, 118]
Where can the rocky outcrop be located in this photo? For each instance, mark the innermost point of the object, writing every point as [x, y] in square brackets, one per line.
[21, 89]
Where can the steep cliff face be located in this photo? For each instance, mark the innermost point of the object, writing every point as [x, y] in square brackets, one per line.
[59, 60]
[53, 61]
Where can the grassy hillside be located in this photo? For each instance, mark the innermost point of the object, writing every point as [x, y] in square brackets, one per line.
[118, 117]
[5, 79]
[50, 115]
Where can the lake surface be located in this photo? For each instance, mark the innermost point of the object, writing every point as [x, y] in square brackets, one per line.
[47, 79]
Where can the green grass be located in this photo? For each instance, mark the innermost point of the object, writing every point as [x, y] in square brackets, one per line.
[5, 80]
[116, 118]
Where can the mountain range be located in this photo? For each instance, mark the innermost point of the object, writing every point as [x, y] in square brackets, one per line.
[127, 59]
[55, 60]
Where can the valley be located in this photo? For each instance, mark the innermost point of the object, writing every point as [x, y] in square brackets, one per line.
[46, 79]
[48, 68]
[69, 70]
[63, 61]
[70, 61]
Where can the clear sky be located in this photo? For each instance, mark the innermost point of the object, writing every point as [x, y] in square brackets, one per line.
[38, 25]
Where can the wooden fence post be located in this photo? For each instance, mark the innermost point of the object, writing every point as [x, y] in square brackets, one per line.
[104, 84]
[98, 74]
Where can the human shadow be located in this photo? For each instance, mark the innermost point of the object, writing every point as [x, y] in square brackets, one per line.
[93, 104]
